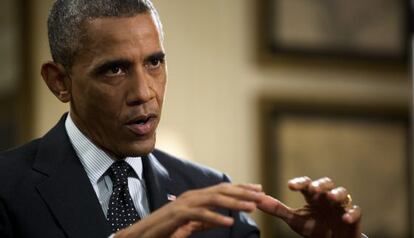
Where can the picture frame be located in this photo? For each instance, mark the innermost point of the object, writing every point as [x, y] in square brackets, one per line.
[15, 85]
[364, 148]
[369, 29]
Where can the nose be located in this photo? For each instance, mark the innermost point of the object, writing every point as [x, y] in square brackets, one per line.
[140, 88]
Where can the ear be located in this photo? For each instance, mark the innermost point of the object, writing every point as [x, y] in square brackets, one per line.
[57, 80]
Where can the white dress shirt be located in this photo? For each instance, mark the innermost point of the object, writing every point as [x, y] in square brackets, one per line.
[96, 163]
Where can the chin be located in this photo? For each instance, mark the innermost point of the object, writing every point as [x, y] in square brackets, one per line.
[141, 148]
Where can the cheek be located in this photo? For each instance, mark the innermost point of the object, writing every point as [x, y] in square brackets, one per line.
[160, 89]
[101, 102]
[160, 94]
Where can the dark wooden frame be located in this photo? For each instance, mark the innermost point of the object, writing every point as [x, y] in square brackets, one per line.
[17, 114]
[270, 109]
[321, 52]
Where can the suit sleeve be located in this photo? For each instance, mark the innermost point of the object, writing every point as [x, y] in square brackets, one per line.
[5, 226]
[244, 226]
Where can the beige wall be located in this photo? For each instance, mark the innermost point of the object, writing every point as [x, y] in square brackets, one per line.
[47, 109]
[215, 80]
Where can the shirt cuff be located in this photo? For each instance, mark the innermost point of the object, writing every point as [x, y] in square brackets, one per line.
[362, 236]
[113, 235]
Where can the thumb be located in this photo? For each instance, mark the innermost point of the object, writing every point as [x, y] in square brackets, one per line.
[186, 230]
[190, 228]
[274, 207]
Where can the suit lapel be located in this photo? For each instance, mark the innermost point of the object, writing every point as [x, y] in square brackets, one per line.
[157, 181]
[67, 190]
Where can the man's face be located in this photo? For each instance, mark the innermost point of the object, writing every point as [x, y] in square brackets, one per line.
[117, 84]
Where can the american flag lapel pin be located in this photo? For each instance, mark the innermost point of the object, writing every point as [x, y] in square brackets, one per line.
[171, 197]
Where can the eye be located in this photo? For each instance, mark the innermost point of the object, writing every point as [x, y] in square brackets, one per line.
[154, 63]
[114, 71]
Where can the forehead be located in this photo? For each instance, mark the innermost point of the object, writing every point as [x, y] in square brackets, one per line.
[112, 35]
[143, 22]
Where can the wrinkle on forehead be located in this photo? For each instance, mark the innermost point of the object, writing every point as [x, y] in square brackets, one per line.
[141, 26]
[119, 37]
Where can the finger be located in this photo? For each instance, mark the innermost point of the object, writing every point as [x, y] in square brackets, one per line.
[205, 226]
[252, 187]
[338, 195]
[223, 196]
[300, 183]
[321, 185]
[209, 217]
[178, 214]
[212, 196]
[236, 191]
[191, 227]
[186, 230]
[274, 207]
[223, 201]
[352, 215]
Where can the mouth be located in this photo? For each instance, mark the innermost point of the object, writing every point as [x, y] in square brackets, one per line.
[143, 125]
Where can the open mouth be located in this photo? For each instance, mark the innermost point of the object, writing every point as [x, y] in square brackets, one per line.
[143, 125]
[142, 121]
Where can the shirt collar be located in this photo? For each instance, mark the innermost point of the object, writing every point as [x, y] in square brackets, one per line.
[95, 161]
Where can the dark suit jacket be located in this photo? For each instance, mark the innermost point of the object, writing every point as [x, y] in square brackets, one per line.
[45, 192]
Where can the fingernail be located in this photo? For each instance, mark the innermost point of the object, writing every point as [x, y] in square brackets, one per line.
[254, 186]
[248, 205]
[228, 220]
[315, 183]
[347, 218]
[257, 194]
[334, 191]
[258, 186]
[297, 180]
[315, 186]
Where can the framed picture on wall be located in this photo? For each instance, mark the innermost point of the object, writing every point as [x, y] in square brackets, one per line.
[14, 87]
[362, 148]
[372, 29]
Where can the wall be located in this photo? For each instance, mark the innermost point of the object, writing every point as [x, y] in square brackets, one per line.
[215, 79]
[47, 109]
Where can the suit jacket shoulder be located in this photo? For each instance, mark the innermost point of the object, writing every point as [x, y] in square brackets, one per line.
[45, 192]
[13, 167]
[15, 162]
[190, 173]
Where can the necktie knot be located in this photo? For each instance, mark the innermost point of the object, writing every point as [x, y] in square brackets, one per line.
[119, 172]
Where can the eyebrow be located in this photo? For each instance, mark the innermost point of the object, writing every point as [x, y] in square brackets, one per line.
[155, 56]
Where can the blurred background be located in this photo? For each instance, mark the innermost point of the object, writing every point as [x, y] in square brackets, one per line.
[262, 90]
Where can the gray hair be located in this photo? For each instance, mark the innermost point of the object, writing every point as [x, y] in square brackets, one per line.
[66, 19]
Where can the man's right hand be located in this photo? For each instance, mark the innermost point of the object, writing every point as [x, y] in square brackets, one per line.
[192, 211]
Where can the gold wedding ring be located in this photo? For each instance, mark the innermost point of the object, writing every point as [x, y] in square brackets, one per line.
[348, 202]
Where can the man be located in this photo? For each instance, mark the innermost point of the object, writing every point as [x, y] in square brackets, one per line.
[96, 173]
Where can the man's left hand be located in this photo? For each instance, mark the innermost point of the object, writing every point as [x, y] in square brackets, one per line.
[329, 212]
